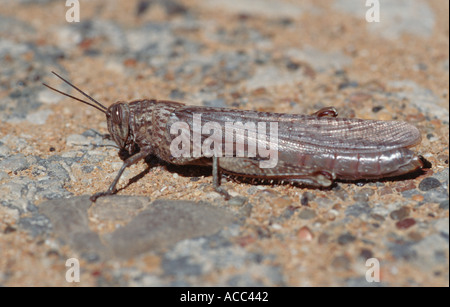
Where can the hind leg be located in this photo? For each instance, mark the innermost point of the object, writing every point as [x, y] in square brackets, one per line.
[247, 167]
[326, 112]
[321, 179]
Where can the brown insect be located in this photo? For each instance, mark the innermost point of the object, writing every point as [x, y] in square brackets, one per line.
[312, 150]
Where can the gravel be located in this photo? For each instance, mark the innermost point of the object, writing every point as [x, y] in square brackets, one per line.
[220, 54]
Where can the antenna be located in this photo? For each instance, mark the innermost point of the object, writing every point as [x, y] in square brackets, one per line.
[98, 105]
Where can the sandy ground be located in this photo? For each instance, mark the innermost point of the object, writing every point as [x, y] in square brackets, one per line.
[276, 56]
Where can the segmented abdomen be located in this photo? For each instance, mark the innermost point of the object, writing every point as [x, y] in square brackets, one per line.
[352, 166]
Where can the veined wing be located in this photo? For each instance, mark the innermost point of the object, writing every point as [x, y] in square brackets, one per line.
[310, 133]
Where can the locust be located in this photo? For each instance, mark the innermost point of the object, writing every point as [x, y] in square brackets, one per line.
[306, 150]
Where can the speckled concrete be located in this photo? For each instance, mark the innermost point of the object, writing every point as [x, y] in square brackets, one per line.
[167, 226]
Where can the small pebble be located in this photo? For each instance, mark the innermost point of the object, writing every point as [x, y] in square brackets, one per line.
[366, 253]
[292, 66]
[9, 229]
[177, 94]
[323, 238]
[307, 214]
[305, 198]
[377, 109]
[305, 234]
[406, 223]
[377, 217]
[429, 183]
[400, 214]
[363, 195]
[218, 102]
[444, 205]
[346, 238]
[304, 201]
[288, 212]
[237, 200]
[142, 6]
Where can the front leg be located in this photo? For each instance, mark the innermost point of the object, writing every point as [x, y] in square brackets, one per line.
[128, 162]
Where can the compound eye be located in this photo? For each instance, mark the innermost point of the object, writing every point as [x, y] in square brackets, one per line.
[117, 116]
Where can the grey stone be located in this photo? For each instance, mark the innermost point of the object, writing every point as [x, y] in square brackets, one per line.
[403, 250]
[68, 216]
[440, 256]
[400, 214]
[113, 35]
[10, 47]
[442, 176]
[77, 140]
[177, 94]
[119, 207]
[181, 266]
[14, 142]
[17, 192]
[3, 175]
[237, 201]
[36, 225]
[241, 36]
[265, 276]
[56, 171]
[210, 256]
[429, 183]
[441, 226]
[39, 117]
[346, 238]
[14, 163]
[205, 255]
[236, 67]
[270, 75]
[51, 188]
[436, 195]
[358, 209]
[422, 98]
[444, 204]
[12, 28]
[427, 248]
[164, 223]
[288, 212]
[363, 195]
[217, 103]
[4, 150]
[307, 214]
[69, 219]
[87, 169]
[320, 60]
[21, 102]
